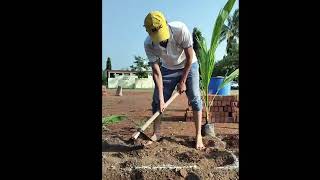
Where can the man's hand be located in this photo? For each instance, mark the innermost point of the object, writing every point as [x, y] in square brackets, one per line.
[182, 84]
[162, 105]
[181, 87]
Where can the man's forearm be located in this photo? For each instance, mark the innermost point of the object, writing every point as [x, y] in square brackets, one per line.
[157, 78]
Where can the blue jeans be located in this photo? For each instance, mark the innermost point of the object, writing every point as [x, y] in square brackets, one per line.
[171, 78]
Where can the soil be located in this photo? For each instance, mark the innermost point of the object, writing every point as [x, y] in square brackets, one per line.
[174, 155]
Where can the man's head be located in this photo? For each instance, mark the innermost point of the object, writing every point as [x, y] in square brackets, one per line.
[156, 25]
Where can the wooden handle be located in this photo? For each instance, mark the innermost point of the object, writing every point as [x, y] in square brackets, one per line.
[155, 115]
[135, 135]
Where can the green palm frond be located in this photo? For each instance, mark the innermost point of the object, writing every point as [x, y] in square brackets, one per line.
[207, 56]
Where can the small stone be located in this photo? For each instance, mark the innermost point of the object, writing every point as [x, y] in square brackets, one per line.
[183, 173]
[210, 175]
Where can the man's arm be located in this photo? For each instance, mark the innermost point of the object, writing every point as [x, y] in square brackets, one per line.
[157, 78]
[189, 55]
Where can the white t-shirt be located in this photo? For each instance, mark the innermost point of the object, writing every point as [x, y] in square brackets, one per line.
[172, 57]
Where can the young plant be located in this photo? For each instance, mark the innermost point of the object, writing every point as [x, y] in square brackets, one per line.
[112, 119]
[207, 56]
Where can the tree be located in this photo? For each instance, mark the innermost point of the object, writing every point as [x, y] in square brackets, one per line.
[230, 32]
[196, 34]
[104, 78]
[141, 66]
[108, 67]
[229, 63]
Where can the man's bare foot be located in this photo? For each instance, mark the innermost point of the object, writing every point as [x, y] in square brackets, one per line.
[199, 143]
[154, 138]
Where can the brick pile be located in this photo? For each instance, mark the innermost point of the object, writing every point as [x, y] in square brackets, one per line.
[225, 109]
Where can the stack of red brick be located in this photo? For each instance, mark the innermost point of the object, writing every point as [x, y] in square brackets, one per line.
[224, 109]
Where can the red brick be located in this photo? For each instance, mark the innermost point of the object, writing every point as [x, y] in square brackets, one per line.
[226, 119]
[224, 98]
[214, 103]
[217, 118]
[215, 109]
[213, 118]
[234, 104]
[233, 119]
[229, 120]
[211, 109]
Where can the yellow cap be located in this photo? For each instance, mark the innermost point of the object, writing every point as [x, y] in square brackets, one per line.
[156, 25]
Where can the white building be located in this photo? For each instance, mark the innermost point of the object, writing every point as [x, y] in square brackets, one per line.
[128, 79]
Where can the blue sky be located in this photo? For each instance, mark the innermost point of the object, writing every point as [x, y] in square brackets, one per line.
[123, 33]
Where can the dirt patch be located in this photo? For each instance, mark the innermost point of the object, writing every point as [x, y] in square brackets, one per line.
[221, 158]
[164, 160]
[232, 141]
[172, 153]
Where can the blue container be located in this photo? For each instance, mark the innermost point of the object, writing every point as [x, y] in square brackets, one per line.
[215, 83]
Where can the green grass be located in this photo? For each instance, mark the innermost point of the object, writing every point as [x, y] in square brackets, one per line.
[112, 119]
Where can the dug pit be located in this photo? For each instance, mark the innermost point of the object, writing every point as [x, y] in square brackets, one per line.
[165, 160]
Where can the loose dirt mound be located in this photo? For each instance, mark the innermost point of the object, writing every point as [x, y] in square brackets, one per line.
[165, 159]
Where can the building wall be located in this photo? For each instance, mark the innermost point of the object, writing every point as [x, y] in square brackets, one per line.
[144, 83]
[130, 82]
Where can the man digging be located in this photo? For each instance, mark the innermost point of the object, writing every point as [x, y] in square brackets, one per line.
[171, 43]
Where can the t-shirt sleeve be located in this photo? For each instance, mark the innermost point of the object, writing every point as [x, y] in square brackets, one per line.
[185, 37]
